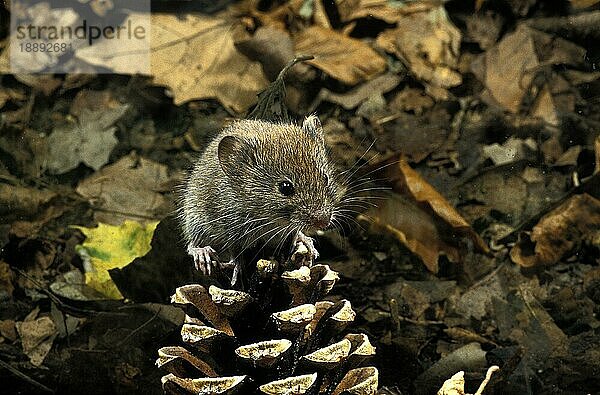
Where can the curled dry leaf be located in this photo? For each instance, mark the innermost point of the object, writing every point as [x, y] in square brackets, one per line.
[296, 385]
[361, 381]
[574, 222]
[265, 353]
[346, 59]
[209, 385]
[196, 57]
[413, 217]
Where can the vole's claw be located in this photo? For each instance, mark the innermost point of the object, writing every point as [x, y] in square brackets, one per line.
[203, 258]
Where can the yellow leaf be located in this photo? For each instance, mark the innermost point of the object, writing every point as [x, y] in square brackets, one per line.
[107, 247]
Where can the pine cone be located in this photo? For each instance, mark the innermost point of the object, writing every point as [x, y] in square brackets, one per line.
[279, 337]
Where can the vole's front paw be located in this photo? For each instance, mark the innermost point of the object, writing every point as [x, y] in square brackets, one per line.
[203, 258]
[305, 252]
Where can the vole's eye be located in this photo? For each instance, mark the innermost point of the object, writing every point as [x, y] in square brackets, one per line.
[286, 188]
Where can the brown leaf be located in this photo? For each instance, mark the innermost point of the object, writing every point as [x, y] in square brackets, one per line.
[45, 83]
[513, 72]
[352, 99]
[429, 44]
[400, 136]
[418, 217]
[89, 139]
[90, 100]
[22, 200]
[128, 188]
[37, 336]
[343, 58]
[574, 222]
[30, 229]
[414, 228]
[6, 280]
[425, 194]
[195, 56]
[8, 330]
[11, 94]
[271, 46]
[579, 4]
[357, 9]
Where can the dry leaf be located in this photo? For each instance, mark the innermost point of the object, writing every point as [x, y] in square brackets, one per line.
[514, 74]
[195, 56]
[37, 336]
[271, 46]
[579, 4]
[22, 200]
[414, 228]
[343, 58]
[128, 188]
[90, 139]
[574, 222]
[425, 194]
[381, 9]
[429, 44]
[352, 99]
[89, 100]
[45, 83]
[6, 280]
[413, 218]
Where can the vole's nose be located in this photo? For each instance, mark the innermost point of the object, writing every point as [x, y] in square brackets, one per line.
[320, 220]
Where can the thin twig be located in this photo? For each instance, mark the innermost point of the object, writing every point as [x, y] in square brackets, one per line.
[23, 376]
[136, 330]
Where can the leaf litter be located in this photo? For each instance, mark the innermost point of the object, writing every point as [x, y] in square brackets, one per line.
[489, 254]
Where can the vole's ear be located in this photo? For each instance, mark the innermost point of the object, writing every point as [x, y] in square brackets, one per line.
[233, 153]
[313, 127]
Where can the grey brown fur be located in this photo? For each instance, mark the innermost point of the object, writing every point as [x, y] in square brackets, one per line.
[232, 198]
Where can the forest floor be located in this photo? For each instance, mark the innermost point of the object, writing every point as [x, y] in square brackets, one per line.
[482, 117]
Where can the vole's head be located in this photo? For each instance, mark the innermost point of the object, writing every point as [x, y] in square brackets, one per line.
[282, 174]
